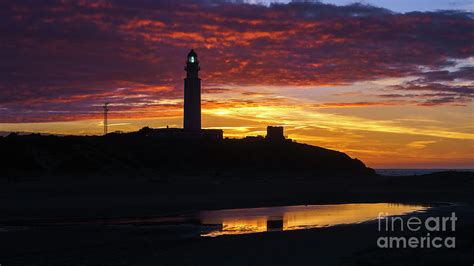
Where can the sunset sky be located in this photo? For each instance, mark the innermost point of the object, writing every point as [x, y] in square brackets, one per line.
[388, 82]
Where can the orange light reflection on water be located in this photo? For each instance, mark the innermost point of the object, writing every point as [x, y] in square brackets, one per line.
[256, 220]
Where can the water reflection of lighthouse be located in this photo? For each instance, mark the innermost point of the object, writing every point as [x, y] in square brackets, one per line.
[245, 221]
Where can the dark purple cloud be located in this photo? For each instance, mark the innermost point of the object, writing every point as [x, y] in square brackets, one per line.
[464, 73]
[70, 56]
[424, 93]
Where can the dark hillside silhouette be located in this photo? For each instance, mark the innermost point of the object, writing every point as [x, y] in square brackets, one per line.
[135, 154]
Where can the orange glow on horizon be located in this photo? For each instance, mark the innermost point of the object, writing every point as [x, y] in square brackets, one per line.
[402, 143]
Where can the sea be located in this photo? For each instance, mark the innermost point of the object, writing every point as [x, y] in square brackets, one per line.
[403, 172]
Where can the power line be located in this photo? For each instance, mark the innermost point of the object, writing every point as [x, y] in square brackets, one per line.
[106, 110]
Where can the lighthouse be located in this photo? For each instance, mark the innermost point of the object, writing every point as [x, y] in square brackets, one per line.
[192, 93]
[192, 110]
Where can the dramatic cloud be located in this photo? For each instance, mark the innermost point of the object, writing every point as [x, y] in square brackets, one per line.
[63, 59]
[464, 73]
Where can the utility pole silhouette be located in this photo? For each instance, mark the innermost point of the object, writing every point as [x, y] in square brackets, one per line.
[106, 110]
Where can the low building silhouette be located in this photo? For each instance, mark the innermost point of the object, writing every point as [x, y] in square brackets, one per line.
[181, 133]
[275, 133]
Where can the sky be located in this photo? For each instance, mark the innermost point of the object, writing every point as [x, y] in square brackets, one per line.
[390, 84]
